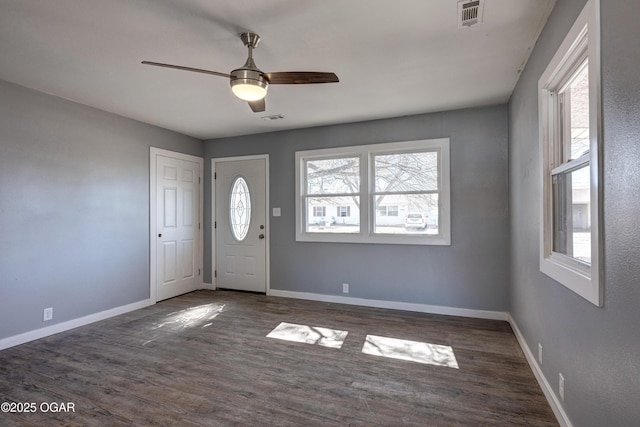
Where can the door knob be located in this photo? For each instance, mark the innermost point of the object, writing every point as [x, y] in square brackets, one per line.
[261, 236]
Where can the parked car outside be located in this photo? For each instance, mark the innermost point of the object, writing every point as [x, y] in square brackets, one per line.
[415, 220]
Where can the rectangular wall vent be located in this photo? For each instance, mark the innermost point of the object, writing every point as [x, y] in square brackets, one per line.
[274, 117]
[470, 13]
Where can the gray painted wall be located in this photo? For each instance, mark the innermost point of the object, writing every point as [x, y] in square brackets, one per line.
[471, 273]
[74, 208]
[596, 349]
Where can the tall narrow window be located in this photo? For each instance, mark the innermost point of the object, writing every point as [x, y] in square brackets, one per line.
[569, 102]
[570, 177]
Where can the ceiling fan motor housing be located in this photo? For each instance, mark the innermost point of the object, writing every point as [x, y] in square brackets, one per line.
[248, 84]
[250, 39]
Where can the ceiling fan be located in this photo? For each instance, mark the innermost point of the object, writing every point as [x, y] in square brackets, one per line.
[250, 84]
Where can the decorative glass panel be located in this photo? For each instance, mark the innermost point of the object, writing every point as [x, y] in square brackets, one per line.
[239, 209]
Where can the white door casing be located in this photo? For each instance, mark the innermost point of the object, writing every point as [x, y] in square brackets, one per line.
[176, 222]
[241, 258]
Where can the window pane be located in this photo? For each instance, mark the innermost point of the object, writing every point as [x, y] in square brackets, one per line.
[342, 215]
[415, 214]
[571, 214]
[406, 172]
[333, 176]
[579, 101]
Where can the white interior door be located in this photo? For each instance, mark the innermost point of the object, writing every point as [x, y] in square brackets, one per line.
[240, 223]
[177, 226]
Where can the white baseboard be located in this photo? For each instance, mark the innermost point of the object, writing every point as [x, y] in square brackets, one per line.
[71, 324]
[394, 305]
[548, 391]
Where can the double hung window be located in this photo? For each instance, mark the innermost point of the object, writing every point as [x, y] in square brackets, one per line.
[380, 193]
[569, 101]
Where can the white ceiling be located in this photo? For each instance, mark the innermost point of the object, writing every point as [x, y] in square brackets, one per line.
[393, 58]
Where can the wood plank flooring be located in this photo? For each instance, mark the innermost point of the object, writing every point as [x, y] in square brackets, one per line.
[203, 359]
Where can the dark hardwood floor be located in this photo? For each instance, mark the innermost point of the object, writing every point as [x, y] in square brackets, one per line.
[202, 359]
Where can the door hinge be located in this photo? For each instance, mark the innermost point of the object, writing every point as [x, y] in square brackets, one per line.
[199, 180]
[215, 175]
[215, 224]
[215, 273]
[198, 226]
[198, 272]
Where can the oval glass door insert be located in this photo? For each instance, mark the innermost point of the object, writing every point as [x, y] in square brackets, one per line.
[239, 209]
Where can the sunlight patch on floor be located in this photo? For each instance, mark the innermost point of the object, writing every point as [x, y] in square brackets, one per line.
[324, 337]
[192, 317]
[421, 352]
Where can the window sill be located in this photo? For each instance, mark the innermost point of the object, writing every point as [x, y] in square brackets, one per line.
[435, 240]
[574, 277]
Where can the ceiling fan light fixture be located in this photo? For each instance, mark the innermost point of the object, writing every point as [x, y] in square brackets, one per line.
[250, 91]
[248, 85]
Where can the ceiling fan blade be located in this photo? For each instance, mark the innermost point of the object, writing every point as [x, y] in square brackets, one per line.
[180, 67]
[300, 77]
[258, 106]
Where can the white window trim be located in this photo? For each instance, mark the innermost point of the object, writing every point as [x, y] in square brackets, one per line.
[582, 41]
[365, 153]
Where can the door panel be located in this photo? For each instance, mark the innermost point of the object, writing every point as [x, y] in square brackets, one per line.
[177, 184]
[241, 254]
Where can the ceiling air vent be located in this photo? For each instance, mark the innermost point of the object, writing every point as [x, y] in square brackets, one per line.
[274, 117]
[470, 13]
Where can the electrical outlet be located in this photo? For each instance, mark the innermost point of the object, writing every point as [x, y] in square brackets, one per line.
[47, 314]
[540, 354]
[345, 288]
[561, 386]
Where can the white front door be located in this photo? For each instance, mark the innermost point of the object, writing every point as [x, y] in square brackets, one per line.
[240, 224]
[177, 248]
